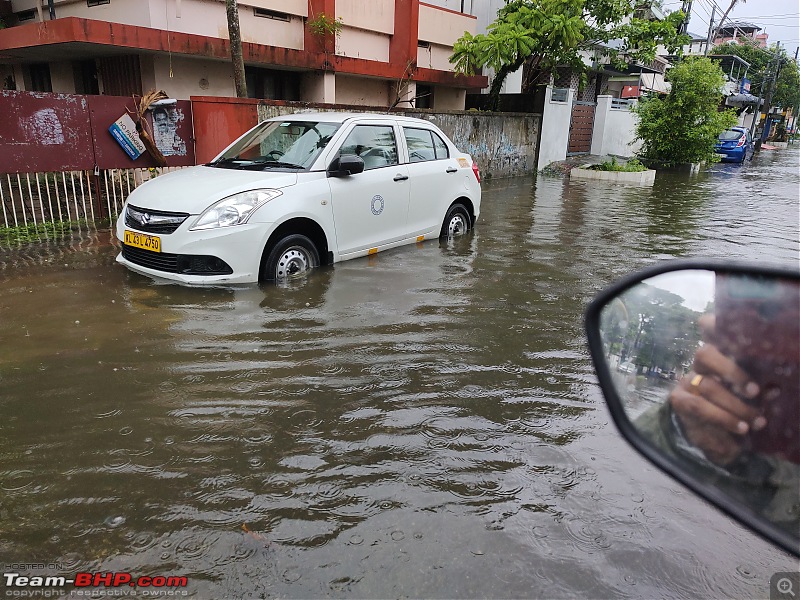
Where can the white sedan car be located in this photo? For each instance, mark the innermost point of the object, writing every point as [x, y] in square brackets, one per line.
[297, 192]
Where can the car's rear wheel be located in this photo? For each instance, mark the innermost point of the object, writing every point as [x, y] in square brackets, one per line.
[456, 222]
[290, 258]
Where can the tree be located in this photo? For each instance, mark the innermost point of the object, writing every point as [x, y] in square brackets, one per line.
[545, 34]
[683, 126]
[235, 37]
[787, 89]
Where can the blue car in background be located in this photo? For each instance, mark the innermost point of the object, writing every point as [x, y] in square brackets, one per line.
[734, 145]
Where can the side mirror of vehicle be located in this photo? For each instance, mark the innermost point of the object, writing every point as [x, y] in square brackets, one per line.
[346, 164]
[699, 363]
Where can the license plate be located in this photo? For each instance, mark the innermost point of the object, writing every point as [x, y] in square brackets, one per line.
[143, 241]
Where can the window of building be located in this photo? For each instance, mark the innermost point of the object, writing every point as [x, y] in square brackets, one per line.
[91, 3]
[26, 15]
[121, 75]
[424, 97]
[40, 77]
[272, 84]
[271, 14]
[85, 75]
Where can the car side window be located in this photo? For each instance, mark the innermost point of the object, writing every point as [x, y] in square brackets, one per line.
[375, 144]
[441, 148]
[420, 144]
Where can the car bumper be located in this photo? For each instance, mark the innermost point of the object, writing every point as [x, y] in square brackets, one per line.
[735, 155]
[225, 255]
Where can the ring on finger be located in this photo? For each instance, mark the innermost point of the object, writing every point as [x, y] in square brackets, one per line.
[694, 383]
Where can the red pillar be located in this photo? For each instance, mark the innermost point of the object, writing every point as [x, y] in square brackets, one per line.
[312, 42]
[403, 45]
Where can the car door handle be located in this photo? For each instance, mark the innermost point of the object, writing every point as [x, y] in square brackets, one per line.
[451, 170]
[400, 177]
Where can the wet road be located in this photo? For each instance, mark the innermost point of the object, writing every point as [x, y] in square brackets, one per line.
[422, 423]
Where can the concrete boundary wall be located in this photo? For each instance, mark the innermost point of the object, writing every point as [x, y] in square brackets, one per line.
[614, 129]
[556, 118]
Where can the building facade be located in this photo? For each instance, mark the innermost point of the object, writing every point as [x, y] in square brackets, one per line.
[384, 52]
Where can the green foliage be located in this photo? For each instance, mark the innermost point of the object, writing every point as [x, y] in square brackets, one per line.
[632, 166]
[787, 89]
[651, 328]
[683, 127]
[323, 25]
[545, 34]
[26, 234]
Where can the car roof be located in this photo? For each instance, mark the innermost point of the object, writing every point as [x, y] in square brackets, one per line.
[342, 117]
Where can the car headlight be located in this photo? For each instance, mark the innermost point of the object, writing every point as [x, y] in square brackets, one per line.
[234, 210]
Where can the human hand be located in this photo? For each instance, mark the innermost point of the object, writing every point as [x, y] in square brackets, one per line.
[709, 401]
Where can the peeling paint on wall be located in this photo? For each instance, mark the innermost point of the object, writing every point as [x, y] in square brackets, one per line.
[43, 127]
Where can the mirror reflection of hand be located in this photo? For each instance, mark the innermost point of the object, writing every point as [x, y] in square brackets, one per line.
[709, 401]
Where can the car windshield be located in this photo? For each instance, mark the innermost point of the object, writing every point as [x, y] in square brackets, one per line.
[292, 145]
[730, 135]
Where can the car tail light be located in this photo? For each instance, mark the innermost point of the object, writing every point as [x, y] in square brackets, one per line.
[476, 171]
[741, 141]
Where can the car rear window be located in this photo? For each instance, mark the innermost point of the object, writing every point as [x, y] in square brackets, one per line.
[730, 134]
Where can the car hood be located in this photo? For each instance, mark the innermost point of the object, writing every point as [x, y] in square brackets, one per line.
[194, 189]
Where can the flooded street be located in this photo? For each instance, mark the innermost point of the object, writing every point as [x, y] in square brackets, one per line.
[422, 423]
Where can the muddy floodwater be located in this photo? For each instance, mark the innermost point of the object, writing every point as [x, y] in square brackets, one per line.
[422, 423]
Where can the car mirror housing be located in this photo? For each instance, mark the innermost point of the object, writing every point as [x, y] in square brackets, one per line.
[346, 164]
[699, 363]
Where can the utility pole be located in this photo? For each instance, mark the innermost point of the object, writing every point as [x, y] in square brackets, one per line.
[768, 100]
[235, 37]
[710, 28]
[686, 9]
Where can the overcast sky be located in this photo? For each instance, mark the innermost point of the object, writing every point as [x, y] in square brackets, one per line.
[779, 18]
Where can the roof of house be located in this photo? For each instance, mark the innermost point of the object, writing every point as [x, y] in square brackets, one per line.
[740, 25]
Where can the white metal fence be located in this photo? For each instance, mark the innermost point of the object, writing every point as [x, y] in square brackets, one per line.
[39, 198]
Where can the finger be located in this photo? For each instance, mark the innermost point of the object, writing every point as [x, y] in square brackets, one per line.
[710, 361]
[715, 392]
[707, 324]
[696, 408]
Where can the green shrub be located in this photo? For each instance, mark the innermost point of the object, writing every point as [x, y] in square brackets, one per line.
[632, 166]
[684, 126]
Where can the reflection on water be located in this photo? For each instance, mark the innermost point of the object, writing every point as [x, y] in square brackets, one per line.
[424, 422]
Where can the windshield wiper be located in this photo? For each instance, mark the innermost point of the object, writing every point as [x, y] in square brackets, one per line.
[270, 163]
[236, 163]
[288, 165]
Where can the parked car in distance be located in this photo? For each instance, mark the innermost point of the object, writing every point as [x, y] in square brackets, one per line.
[300, 191]
[626, 367]
[734, 145]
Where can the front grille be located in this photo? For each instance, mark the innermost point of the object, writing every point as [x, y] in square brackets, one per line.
[187, 264]
[153, 221]
[160, 261]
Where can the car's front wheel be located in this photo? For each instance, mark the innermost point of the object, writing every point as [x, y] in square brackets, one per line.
[456, 222]
[291, 257]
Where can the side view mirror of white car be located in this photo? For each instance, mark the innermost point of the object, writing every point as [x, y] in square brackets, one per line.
[700, 366]
[347, 164]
